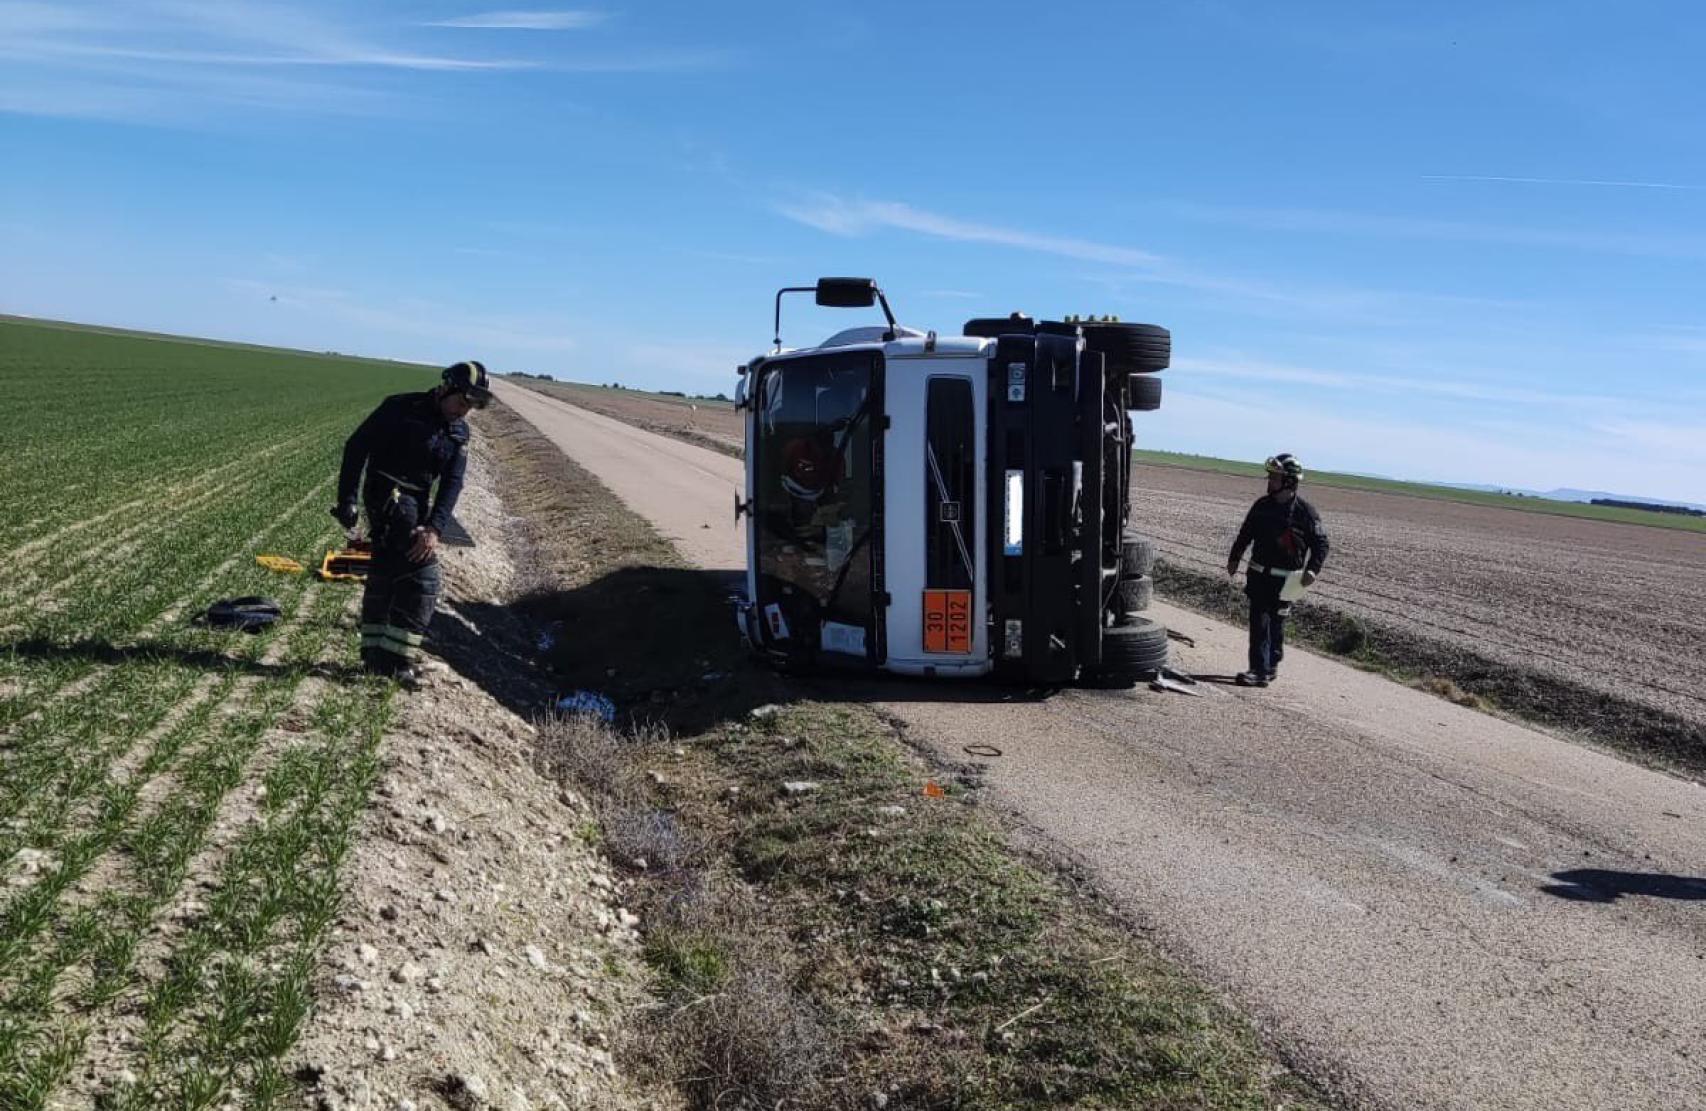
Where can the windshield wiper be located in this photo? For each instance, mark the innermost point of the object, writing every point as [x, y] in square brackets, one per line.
[954, 525]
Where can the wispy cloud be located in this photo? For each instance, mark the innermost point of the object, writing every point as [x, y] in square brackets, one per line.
[525, 21]
[710, 366]
[23, 18]
[325, 55]
[1131, 266]
[1687, 338]
[731, 256]
[1325, 222]
[178, 61]
[187, 96]
[416, 319]
[1523, 451]
[682, 60]
[1559, 181]
[839, 216]
[1680, 445]
[529, 230]
[1364, 383]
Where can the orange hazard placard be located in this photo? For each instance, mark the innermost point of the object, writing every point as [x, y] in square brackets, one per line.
[947, 621]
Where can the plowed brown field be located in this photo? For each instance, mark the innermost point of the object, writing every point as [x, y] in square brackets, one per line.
[1609, 607]
[712, 424]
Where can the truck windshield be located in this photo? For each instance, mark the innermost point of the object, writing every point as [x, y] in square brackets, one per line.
[813, 506]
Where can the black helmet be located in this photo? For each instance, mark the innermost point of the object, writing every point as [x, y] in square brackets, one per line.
[1285, 467]
[469, 379]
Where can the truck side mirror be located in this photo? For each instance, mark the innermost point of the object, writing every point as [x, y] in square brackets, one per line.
[839, 293]
[846, 293]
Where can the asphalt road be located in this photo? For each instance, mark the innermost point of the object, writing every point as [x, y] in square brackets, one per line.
[1423, 906]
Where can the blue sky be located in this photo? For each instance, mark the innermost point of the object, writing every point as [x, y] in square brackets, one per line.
[1462, 243]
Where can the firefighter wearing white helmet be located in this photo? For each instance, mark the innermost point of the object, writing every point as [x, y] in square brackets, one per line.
[1285, 535]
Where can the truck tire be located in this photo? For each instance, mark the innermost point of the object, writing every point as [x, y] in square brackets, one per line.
[1131, 651]
[1131, 348]
[1145, 396]
[1134, 594]
[1137, 555]
[992, 327]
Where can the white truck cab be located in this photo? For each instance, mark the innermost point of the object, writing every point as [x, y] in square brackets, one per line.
[949, 505]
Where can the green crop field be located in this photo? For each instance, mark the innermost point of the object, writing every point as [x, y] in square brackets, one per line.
[174, 801]
[1442, 493]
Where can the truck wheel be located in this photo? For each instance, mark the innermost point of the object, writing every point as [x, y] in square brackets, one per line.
[1133, 595]
[1131, 348]
[1145, 393]
[1130, 651]
[1137, 555]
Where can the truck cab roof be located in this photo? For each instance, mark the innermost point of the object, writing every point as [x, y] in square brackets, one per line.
[908, 343]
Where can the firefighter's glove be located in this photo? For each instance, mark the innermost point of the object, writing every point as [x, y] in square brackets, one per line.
[1309, 578]
[425, 544]
[345, 515]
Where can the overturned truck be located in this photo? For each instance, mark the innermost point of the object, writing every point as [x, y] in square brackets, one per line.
[950, 505]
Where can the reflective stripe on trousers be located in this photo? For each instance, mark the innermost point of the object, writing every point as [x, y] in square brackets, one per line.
[390, 638]
[398, 604]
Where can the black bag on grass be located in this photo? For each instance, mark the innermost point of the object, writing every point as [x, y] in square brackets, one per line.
[249, 614]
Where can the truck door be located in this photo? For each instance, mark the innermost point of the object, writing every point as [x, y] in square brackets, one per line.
[937, 622]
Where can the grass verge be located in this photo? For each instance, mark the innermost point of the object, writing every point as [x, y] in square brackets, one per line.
[1460, 676]
[823, 934]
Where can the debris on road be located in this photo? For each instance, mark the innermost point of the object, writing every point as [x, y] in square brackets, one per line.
[1163, 682]
[587, 702]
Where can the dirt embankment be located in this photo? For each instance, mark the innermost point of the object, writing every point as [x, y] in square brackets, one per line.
[485, 957]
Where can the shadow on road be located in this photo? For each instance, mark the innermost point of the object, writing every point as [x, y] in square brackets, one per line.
[1598, 885]
[661, 643]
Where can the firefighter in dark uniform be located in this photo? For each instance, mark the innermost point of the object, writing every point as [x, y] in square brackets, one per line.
[1287, 535]
[409, 443]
